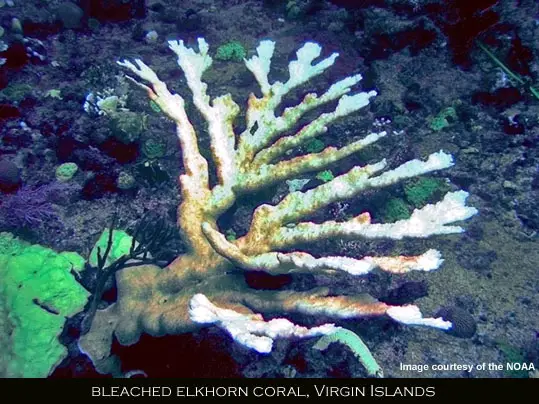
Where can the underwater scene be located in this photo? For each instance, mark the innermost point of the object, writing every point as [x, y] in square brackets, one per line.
[269, 189]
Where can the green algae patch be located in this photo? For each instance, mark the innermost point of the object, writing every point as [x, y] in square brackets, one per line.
[121, 245]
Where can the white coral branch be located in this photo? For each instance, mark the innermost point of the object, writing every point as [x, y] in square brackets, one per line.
[428, 221]
[251, 331]
[301, 261]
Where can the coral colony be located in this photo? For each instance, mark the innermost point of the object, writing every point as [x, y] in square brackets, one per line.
[199, 287]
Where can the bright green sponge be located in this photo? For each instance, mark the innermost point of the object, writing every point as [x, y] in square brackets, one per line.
[37, 294]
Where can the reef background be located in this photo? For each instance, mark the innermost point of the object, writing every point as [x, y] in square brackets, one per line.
[435, 85]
